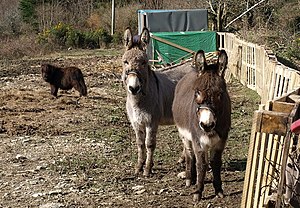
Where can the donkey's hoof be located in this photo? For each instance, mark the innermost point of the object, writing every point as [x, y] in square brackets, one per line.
[197, 197]
[146, 173]
[188, 182]
[220, 195]
[137, 171]
[181, 160]
[181, 175]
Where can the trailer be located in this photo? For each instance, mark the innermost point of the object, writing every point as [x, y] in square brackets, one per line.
[176, 34]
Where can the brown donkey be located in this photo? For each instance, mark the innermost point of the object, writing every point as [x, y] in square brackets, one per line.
[149, 95]
[202, 114]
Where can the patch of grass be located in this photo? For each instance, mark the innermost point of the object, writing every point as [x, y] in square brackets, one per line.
[169, 145]
[86, 162]
[244, 102]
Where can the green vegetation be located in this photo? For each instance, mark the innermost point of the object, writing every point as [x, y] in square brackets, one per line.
[35, 27]
[28, 13]
[66, 36]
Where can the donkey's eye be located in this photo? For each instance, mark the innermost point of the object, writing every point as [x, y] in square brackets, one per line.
[198, 97]
[144, 63]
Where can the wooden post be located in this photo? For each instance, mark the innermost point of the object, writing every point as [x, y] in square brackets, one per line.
[249, 177]
[285, 154]
[112, 17]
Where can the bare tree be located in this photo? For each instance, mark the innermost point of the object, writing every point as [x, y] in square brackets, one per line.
[9, 17]
[218, 11]
[154, 4]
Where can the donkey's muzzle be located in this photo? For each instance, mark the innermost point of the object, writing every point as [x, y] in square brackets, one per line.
[207, 127]
[135, 90]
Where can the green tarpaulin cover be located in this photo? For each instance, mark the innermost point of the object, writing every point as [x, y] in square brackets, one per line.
[193, 40]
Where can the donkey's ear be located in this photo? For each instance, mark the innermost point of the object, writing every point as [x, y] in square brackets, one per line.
[145, 38]
[128, 39]
[199, 61]
[222, 62]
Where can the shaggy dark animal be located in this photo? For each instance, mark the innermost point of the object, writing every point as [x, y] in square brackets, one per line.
[64, 78]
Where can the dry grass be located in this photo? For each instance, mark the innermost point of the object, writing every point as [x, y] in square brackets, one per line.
[81, 153]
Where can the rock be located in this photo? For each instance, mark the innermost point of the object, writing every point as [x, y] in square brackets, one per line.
[21, 157]
[54, 192]
[52, 205]
[35, 195]
[161, 191]
[140, 191]
[41, 167]
[210, 205]
[138, 187]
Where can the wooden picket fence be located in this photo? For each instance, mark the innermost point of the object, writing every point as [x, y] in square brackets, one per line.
[258, 68]
[270, 141]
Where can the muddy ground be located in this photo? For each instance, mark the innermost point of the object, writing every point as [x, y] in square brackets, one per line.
[70, 152]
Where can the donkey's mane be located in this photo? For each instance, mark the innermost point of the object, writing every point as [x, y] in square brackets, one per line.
[210, 81]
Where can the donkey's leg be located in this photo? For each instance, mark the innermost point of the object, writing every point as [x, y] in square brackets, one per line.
[54, 90]
[80, 87]
[182, 156]
[140, 141]
[150, 147]
[216, 163]
[189, 163]
[201, 168]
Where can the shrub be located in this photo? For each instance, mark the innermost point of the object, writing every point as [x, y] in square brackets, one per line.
[73, 38]
[117, 38]
[59, 33]
[103, 37]
[293, 50]
[64, 35]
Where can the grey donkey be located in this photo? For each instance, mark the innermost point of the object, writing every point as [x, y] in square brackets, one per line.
[150, 96]
[202, 113]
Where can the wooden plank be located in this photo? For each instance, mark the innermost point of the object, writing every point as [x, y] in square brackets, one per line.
[172, 44]
[266, 180]
[285, 152]
[268, 106]
[243, 79]
[273, 122]
[271, 87]
[274, 156]
[287, 81]
[253, 173]
[260, 170]
[246, 199]
[278, 82]
[294, 98]
[283, 107]
[286, 148]
[279, 158]
[282, 79]
[285, 98]
[293, 80]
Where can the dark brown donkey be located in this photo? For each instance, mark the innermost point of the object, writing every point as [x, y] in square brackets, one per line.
[202, 114]
[150, 95]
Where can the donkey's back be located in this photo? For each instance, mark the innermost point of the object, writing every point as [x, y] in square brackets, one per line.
[167, 81]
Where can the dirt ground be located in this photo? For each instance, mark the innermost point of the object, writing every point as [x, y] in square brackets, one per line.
[80, 152]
